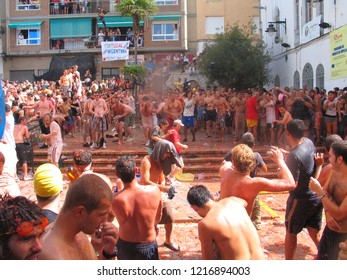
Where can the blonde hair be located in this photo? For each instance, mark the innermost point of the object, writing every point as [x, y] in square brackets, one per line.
[243, 158]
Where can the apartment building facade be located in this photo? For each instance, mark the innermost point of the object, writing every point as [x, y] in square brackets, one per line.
[36, 31]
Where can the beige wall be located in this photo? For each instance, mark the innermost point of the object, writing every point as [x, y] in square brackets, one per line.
[233, 11]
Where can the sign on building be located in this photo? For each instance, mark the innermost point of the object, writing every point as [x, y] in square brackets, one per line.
[118, 50]
[338, 53]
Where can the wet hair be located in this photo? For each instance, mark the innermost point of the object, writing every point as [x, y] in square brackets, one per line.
[13, 212]
[82, 157]
[198, 195]
[339, 148]
[248, 139]
[163, 122]
[243, 158]
[20, 119]
[331, 139]
[125, 168]
[296, 128]
[7, 108]
[88, 191]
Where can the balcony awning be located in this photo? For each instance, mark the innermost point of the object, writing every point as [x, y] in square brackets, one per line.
[24, 24]
[118, 22]
[166, 17]
[70, 28]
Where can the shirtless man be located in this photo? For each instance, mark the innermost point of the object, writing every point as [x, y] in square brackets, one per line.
[153, 169]
[146, 111]
[85, 211]
[173, 108]
[43, 107]
[334, 198]
[123, 115]
[20, 131]
[225, 232]
[236, 180]
[138, 210]
[222, 106]
[64, 82]
[210, 114]
[99, 108]
[325, 172]
[240, 116]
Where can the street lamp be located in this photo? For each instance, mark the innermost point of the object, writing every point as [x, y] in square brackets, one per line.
[271, 27]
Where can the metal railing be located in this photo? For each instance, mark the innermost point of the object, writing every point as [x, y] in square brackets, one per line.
[85, 43]
[77, 7]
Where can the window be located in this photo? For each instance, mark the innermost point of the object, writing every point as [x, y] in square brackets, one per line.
[296, 83]
[214, 25]
[308, 10]
[320, 76]
[307, 76]
[165, 2]
[164, 31]
[108, 73]
[28, 4]
[29, 36]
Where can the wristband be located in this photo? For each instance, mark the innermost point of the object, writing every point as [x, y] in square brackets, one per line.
[322, 196]
[112, 256]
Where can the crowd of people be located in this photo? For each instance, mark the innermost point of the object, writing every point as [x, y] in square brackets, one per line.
[107, 221]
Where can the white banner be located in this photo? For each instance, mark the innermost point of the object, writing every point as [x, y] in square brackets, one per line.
[311, 30]
[118, 50]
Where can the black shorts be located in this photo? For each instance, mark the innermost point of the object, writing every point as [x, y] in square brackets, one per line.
[137, 250]
[328, 248]
[210, 115]
[303, 213]
[24, 153]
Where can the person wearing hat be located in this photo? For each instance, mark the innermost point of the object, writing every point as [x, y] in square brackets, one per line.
[22, 223]
[153, 169]
[48, 185]
[175, 138]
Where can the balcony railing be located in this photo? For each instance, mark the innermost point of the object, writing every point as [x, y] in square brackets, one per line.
[75, 7]
[33, 6]
[85, 43]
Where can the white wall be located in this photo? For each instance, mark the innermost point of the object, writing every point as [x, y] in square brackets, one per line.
[315, 52]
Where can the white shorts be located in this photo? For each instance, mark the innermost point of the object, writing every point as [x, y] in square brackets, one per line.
[54, 153]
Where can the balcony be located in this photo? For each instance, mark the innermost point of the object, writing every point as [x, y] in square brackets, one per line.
[75, 7]
[28, 5]
[86, 43]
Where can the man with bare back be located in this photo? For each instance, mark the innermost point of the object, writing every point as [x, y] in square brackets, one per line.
[138, 210]
[236, 179]
[173, 108]
[24, 156]
[225, 232]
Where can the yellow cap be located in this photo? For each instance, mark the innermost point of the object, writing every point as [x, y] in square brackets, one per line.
[48, 180]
